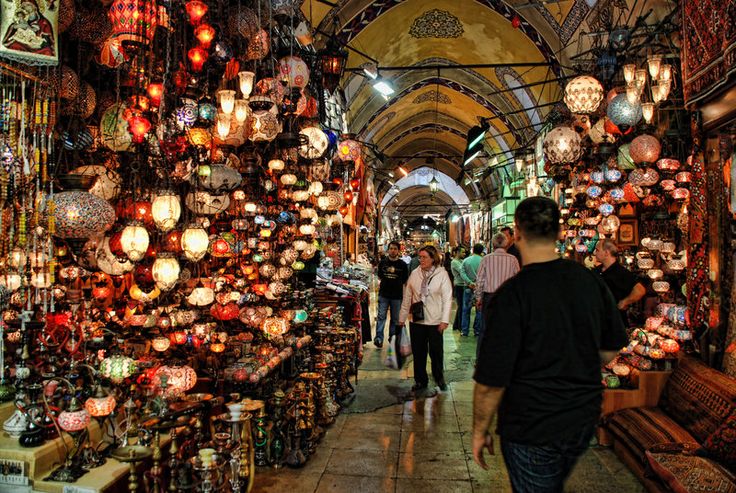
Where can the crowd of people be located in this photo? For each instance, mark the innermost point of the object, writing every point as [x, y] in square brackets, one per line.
[543, 326]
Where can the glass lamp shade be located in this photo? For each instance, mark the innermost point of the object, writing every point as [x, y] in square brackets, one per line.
[680, 194]
[348, 150]
[276, 165]
[562, 145]
[227, 100]
[644, 177]
[629, 73]
[645, 263]
[223, 126]
[315, 188]
[160, 343]
[134, 241]
[661, 286]
[241, 110]
[166, 271]
[201, 296]
[623, 113]
[99, 407]
[307, 229]
[583, 94]
[80, 214]
[194, 243]
[117, 368]
[108, 183]
[73, 421]
[683, 177]
[288, 179]
[598, 133]
[300, 196]
[166, 211]
[609, 224]
[221, 179]
[294, 71]
[647, 111]
[265, 126]
[245, 80]
[299, 245]
[133, 20]
[41, 280]
[317, 143]
[175, 379]
[11, 281]
[668, 185]
[655, 274]
[645, 149]
[668, 164]
[275, 326]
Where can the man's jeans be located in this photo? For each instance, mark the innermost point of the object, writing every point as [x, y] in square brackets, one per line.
[544, 468]
[383, 306]
[459, 292]
[468, 303]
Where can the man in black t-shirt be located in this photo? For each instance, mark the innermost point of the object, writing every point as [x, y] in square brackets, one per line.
[625, 288]
[548, 329]
[393, 273]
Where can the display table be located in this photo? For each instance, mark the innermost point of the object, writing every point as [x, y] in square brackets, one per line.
[650, 386]
[41, 461]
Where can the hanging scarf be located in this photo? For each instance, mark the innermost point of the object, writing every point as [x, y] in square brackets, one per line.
[426, 276]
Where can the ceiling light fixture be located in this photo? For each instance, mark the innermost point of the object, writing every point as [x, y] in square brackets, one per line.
[384, 87]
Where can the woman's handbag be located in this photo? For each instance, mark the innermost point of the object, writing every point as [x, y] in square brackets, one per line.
[417, 311]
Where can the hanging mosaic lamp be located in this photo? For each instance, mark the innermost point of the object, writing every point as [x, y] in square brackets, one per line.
[294, 71]
[623, 113]
[562, 145]
[133, 20]
[134, 241]
[117, 368]
[583, 94]
[78, 214]
[645, 149]
[348, 149]
[317, 143]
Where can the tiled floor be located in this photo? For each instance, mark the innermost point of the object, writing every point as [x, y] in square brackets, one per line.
[422, 445]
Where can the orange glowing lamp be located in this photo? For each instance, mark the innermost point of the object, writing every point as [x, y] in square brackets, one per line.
[196, 9]
[139, 126]
[197, 58]
[204, 34]
[155, 92]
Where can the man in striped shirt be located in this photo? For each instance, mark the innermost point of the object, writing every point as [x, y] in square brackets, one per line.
[494, 270]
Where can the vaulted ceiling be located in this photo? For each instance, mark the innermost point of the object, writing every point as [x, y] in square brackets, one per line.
[498, 45]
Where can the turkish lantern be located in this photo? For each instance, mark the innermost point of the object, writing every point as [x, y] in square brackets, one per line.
[134, 241]
[101, 405]
[155, 91]
[139, 126]
[196, 9]
[562, 145]
[166, 271]
[644, 149]
[166, 210]
[583, 94]
[133, 20]
[75, 419]
[204, 34]
[197, 58]
[194, 243]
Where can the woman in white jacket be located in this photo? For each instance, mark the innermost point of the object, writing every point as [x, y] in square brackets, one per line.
[431, 285]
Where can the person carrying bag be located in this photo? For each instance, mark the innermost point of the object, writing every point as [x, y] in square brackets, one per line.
[427, 303]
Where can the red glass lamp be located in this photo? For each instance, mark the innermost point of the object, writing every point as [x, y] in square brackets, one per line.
[197, 58]
[139, 126]
[204, 34]
[196, 9]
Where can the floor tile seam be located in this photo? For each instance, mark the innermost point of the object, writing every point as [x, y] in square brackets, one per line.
[324, 470]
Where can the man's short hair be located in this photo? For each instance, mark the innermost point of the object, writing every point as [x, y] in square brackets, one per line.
[507, 229]
[394, 243]
[457, 249]
[478, 248]
[610, 246]
[500, 240]
[538, 219]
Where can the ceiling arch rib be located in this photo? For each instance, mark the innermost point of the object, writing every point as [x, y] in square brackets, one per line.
[362, 95]
[420, 178]
[363, 122]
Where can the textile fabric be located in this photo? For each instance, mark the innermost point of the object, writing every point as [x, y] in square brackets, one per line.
[721, 444]
[641, 428]
[689, 473]
[698, 397]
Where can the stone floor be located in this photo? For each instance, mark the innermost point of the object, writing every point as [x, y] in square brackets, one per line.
[420, 445]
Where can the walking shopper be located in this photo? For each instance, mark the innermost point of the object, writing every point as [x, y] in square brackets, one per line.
[393, 273]
[624, 286]
[511, 248]
[548, 329]
[428, 300]
[469, 272]
[494, 270]
[458, 286]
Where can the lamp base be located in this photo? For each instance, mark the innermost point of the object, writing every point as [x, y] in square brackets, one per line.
[67, 474]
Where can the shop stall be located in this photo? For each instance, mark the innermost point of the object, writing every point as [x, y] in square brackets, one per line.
[171, 184]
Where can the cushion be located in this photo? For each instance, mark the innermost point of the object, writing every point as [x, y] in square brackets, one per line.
[641, 428]
[698, 397]
[721, 444]
[690, 473]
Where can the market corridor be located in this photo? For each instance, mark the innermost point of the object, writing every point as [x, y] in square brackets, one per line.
[421, 445]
